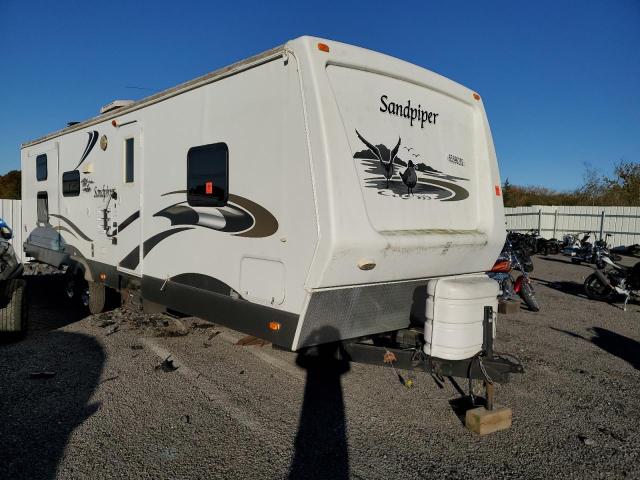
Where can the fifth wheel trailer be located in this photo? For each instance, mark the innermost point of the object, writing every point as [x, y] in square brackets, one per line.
[316, 192]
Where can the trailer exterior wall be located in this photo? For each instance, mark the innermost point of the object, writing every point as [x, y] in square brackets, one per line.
[406, 238]
[308, 224]
[152, 234]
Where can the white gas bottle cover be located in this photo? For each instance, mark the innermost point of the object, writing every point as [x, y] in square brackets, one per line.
[455, 314]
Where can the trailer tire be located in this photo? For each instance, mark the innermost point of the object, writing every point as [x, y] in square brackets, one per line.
[97, 297]
[14, 315]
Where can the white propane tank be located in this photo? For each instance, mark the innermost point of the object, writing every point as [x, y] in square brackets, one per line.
[455, 313]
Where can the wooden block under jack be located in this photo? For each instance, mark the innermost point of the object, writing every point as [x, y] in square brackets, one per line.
[482, 421]
[508, 306]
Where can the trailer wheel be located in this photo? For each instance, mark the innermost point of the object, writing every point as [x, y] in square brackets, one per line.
[97, 297]
[13, 316]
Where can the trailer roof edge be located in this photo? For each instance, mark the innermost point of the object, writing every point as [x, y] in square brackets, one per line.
[170, 92]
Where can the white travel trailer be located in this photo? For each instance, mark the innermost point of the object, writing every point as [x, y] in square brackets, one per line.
[312, 193]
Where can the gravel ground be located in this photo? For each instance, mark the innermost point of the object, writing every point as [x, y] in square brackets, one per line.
[113, 409]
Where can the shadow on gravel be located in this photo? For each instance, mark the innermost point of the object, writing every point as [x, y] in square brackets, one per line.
[622, 347]
[570, 288]
[49, 308]
[464, 402]
[39, 414]
[320, 448]
[558, 260]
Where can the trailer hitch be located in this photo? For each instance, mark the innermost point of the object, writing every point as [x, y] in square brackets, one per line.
[496, 367]
[486, 365]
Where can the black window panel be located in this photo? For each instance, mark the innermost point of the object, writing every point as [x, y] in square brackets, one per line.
[71, 183]
[42, 206]
[128, 160]
[208, 175]
[41, 167]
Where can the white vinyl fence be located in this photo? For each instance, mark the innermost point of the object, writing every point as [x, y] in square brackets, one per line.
[554, 222]
[11, 212]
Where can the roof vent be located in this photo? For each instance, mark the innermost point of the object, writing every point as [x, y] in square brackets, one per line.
[115, 105]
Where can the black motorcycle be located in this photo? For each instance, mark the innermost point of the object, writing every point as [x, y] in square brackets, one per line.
[614, 280]
[593, 252]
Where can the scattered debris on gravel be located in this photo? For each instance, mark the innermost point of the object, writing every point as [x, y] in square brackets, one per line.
[156, 324]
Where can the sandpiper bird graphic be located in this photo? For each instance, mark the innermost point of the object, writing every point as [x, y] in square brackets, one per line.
[409, 177]
[382, 153]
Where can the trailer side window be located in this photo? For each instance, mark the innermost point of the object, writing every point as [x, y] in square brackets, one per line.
[41, 167]
[42, 206]
[128, 160]
[71, 183]
[208, 175]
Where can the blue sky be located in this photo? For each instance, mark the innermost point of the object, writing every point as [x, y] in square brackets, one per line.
[560, 79]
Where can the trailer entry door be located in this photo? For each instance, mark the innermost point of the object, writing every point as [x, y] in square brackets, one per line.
[126, 216]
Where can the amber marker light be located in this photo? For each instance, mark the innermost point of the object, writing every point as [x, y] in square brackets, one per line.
[114, 123]
[323, 47]
[274, 326]
[102, 276]
[476, 96]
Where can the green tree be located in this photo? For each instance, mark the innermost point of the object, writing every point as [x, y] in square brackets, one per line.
[507, 193]
[10, 185]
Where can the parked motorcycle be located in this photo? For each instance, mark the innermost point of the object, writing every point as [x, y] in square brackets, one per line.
[520, 244]
[592, 252]
[508, 261]
[614, 280]
[548, 246]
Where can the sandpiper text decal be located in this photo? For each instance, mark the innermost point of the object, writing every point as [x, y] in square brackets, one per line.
[413, 114]
[417, 181]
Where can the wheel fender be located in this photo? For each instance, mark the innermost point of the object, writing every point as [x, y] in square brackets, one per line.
[80, 267]
[518, 285]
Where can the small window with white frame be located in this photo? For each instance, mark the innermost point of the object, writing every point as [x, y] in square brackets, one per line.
[129, 160]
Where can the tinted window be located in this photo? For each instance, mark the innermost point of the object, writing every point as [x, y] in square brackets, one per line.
[42, 206]
[41, 167]
[128, 160]
[208, 175]
[71, 183]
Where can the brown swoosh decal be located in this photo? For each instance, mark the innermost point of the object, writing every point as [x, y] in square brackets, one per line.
[265, 223]
[65, 229]
[72, 225]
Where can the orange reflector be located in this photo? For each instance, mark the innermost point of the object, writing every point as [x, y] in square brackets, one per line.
[275, 326]
[102, 276]
[323, 47]
[208, 188]
[498, 192]
[114, 123]
[476, 96]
